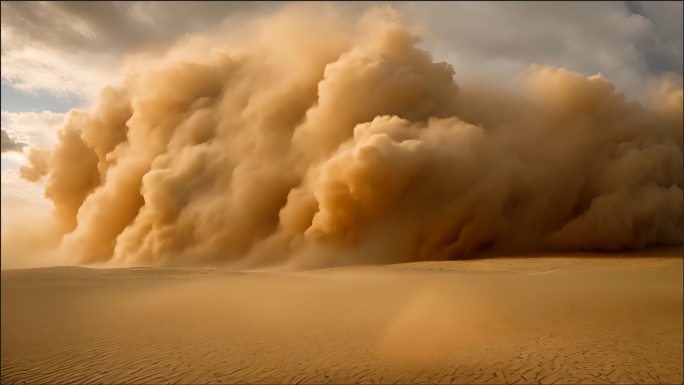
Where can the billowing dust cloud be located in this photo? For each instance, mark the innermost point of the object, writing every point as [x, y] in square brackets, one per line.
[330, 142]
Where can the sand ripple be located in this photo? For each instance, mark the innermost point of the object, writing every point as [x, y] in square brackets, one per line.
[583, 321]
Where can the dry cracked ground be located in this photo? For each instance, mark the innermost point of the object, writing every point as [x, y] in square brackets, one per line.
[552, 320]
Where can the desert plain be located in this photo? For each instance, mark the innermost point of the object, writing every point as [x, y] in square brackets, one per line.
[579, 318]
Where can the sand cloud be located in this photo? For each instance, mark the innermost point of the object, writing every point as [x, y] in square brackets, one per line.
[333, 142]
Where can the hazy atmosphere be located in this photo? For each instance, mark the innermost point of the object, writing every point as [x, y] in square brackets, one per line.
[324, 134]
[345, 193]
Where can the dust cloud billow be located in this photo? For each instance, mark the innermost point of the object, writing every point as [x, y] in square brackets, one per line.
[324, 141]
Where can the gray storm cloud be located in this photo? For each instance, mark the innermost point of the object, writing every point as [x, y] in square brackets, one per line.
[8, 144]
[331, 142]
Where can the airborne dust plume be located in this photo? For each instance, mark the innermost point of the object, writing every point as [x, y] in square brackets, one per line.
[323, 142]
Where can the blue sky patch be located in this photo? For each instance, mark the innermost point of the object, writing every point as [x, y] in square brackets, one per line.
[14, 100]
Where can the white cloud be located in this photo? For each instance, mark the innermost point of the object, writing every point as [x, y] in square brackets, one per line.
[76, 48]
[39, 129]
[31, 68]
[497, 40]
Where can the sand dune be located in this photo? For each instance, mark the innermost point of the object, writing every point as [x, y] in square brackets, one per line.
[541, 320]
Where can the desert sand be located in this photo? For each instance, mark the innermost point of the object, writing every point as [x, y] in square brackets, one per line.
[557, 319]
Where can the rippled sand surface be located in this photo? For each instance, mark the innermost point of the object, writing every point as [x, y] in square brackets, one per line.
[562, 319]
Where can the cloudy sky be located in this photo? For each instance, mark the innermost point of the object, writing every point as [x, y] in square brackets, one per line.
[58, 55]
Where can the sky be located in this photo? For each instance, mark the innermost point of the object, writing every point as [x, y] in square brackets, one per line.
[59, 55]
